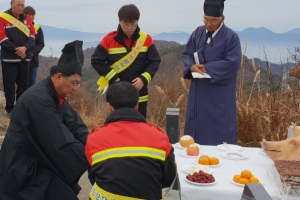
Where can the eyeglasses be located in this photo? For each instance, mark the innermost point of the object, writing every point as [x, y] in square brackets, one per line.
[130, 25]
[212, 22]
[75, 85]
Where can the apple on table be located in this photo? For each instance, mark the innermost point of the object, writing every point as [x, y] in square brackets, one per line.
[193, 150]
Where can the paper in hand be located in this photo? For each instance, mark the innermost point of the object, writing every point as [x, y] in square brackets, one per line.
[196, 74]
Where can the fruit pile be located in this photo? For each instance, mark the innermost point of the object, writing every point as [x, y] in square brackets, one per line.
[201, 177]
[187, 142]
[206, 160]
[244, 177]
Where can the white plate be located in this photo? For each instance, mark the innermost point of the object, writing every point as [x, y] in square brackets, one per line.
[195, 161]
[204, 184]
[262, 151]
[232, 147]
[232, 181]
[235, 155]
[183, 153]
[180, 147]
[190, 169]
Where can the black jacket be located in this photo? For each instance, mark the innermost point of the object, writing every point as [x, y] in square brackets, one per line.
[42, 156]
[124, 172]
[148, 61]
[11, 38]
[39, 45]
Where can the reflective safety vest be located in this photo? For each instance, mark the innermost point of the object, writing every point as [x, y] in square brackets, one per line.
[124, 62]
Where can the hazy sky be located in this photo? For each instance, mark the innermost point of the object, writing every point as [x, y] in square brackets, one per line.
[163, 15]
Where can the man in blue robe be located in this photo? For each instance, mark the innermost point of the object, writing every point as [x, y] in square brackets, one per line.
[211, 112]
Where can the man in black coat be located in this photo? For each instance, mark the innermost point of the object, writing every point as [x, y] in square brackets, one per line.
[42, 156]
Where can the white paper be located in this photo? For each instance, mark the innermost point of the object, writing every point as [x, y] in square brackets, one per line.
[196, 58]
[198, 75]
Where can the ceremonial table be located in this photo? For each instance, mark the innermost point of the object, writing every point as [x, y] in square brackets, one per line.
[224, 189]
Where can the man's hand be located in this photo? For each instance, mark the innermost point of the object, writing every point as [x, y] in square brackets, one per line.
[138, 83]
[198, 68]
[21, 52]
[117, 80]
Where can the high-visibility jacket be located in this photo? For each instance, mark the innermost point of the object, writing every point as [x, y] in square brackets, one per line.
[11, 38]
[130, 157]
[114, 46]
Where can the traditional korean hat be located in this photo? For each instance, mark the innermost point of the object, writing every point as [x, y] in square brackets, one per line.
[213, 8]
[71, 60]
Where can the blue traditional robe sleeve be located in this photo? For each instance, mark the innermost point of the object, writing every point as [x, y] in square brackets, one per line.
[188, 54]
[224, 71]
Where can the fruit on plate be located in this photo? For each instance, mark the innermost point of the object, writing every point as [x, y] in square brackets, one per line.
[244, 177]
[186, 141]
[203, 161]
[201, 177]
[206, 160]
[192, 150]
[213, 161]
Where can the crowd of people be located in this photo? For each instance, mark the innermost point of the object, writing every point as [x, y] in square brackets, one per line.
[48, 147]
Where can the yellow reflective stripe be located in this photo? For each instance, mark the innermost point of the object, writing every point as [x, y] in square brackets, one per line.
[147, 76]
[98, 193]
[121, 152]
[143, 98]
[127, 60]
[144, 49]
[117, 50]
[14, 21]
[36, 27]
[110, 74]
[124, 50]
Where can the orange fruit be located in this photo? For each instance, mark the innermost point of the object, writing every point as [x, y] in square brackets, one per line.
[243, 181]
[203, 161]
[204, 156]
[236, 178]
[213, 161]
[246, 174]
[253, 180]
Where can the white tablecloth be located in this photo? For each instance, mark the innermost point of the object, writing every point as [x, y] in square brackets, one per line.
[224, 189]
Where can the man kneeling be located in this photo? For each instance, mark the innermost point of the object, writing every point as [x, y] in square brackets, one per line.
[129, 157]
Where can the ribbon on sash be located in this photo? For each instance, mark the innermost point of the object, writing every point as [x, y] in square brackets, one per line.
[36, 27]
[123, 63]
[14, 21]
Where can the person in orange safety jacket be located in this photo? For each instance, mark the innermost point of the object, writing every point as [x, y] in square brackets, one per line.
[129, 158]
[116, 45]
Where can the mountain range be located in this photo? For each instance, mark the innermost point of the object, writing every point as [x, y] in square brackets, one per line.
[261, 42]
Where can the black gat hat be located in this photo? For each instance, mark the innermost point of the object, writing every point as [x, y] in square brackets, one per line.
[71, 60]
[213, 8]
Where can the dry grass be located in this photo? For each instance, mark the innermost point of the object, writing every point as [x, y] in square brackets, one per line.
[263, 110]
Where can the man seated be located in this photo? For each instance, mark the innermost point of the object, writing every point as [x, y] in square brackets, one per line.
[128, 156]
[42, 156]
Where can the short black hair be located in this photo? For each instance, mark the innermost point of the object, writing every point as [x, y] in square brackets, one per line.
[129, 13]
[122, 95]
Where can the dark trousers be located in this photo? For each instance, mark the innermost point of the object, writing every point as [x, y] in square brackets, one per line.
[143, 108]
[14, 73]
[32, 75]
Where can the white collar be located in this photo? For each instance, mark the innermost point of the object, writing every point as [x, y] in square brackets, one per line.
[215, 33]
